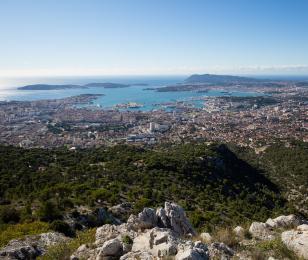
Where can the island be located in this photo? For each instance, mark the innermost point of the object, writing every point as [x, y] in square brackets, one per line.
[72, 86]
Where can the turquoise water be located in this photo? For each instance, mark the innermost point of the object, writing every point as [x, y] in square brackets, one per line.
[112, 97]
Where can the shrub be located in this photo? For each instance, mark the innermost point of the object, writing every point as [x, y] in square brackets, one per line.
[62, 227]
[9, 215]
[127, 240]
[227, 236]
[49, 212]
[276, 246]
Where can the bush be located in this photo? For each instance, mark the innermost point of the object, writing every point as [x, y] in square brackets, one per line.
[62, 227]
[127, 240]
[226, 236]
[9, 215]
[49, 212]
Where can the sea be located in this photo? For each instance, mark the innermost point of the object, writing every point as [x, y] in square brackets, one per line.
[137, 93]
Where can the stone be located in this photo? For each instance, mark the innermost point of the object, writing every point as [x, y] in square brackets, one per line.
[178, 220]
[51, 238]
[157, 241]
[31, 246]
[297, 241]
[220, 251]
[107, 232]
[239, 231]
[137, 255]
[111, 247]
[162, 219]
[189, 254]
[17, 249]
[303, 227]
[147, 218]
[261, 231]
[121, 209]
[283, 221]
[206, 237]
[82, 252]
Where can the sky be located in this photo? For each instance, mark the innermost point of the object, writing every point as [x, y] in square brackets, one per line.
[153, 37]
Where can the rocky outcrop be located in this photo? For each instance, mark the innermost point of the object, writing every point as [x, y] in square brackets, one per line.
[31, 246]
[177, 219]
[284, 221]
[152, 233]
[297, 240]
[261, 231]
[157, 241]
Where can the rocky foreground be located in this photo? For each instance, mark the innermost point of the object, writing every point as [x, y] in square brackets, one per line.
[166, 233]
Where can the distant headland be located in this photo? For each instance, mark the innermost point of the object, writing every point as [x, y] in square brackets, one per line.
[71, 86]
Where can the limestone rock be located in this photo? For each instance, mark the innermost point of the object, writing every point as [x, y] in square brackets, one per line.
[297, 241]
[111, 247]
[178, 220]
[162, 219]
[206, 237]
[17, 249]
[261, 231]
[239, 231]
[283, 221]
[137, 255]
[157, 241]
[303, 227]
[107, 232]
[82, 252]
[121, 209]
[220, 251]
[31, 246]
[190, 254]
[51, 238]
[147, 218]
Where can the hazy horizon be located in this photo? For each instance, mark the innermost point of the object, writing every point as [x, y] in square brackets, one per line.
[88, 38]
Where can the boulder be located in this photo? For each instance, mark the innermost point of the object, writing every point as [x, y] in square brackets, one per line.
[283, 221]
[82, 252]
[178, 220]
[162, 219]
[51, 238]
[31, 246]
[190, 254]
[121, 209]
[147, 218]
[261, 231]
[107, 232]
[303, 227]
[137, 255]
[157, 241]
[220, 251]
[239, 231]
[206, 237]
[17, 249]
[297, 241]
[111, 247]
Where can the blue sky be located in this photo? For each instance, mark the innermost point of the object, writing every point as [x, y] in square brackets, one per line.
[108, 37]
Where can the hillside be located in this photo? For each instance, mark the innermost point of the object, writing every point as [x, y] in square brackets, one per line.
[210, 182]
[285, 166]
